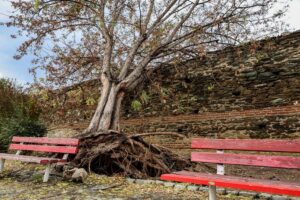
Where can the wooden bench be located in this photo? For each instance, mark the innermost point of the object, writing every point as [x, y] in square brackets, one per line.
[63, 146]
[220, 158]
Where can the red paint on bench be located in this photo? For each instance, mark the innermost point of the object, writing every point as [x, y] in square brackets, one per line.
[242, 183]
[275, 187]
[45, 140]
[32, 159]
[50, 145]
[41, 148]
[247, 145]
[250, 160]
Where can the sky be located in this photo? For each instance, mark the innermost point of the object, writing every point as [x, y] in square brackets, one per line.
[19, 69]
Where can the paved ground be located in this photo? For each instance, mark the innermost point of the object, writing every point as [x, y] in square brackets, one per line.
[24, 181]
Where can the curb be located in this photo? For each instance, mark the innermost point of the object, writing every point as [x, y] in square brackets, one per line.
[192, 187]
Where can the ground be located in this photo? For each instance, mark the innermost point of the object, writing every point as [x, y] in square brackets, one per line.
[24, 181]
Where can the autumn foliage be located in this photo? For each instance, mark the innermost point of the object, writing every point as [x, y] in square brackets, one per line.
[19, 113]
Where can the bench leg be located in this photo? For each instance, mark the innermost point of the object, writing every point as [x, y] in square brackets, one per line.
[2, 164]
[212, 192]
[47, 173]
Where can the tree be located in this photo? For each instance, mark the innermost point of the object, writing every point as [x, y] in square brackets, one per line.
[119, 42]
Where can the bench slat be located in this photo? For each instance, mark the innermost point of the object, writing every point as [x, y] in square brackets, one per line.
[247, 144]
[268, 186]
[32, 159]
[45, 140]
[41, 148]
[250, 160]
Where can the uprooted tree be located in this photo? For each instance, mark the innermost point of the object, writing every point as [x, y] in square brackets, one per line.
[120, 42]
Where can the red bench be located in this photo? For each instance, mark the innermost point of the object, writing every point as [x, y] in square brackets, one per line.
[63, 146]
[241, 183]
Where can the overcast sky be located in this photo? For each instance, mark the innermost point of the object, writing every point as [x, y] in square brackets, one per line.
[19, 69]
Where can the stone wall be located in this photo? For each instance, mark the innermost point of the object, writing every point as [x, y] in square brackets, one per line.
[256, 75]
[248, 91]
[271, 122]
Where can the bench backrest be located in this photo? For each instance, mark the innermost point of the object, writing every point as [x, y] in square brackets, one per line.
[291, 146]
[44, 144]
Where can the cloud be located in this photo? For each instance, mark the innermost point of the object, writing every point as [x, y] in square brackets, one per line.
[5, 10]
[9, 67]
[293, 15]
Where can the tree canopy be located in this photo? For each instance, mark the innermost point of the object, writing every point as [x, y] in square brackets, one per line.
[76, 40]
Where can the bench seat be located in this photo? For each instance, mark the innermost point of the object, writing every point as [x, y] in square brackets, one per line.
[60, 146]
[31, 159]
[239, 155]
[268, 186]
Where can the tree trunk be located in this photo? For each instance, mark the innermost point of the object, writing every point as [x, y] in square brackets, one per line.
[107, 115]
[94, 124]
[117, 112]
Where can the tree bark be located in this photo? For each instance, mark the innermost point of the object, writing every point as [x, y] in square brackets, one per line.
[117, 112]
[107, 115]
[94, 124]
[106, 119]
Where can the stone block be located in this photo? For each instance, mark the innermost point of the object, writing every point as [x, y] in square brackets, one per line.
[276, 197]
[179, 186]
[130, 180]
[140, 181]
[193, 187]
[159, 182]
[169, 184]
[221, 191]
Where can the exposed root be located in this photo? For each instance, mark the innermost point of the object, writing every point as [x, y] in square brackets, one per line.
[116, 153]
